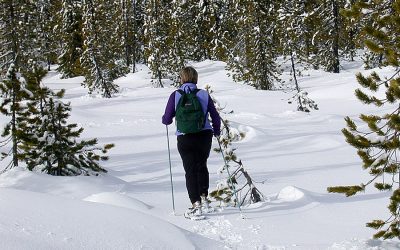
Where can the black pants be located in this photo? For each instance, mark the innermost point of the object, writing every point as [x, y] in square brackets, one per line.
[194, 150]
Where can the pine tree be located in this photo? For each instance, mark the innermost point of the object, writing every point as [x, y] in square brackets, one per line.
[47, 39]
[328, 38]
[17, 34]
[156, 38]
[9, 43]
[13, 93]
[238, 183]
[351, 33]
[102, 48]
[175, 40]
[253, 56]
[293, 24]
[369, 17]
[378, 144]
[58, 150]
[70, 31]
[205, 12]
[132, 18]
[50, 142]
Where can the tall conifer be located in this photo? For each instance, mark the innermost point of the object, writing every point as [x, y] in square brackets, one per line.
[70, 31]
[50, 143]
[156, 25]
[293, 23]
[253, 55]
[13, 93]
[378, 142]
[18, 42]
[328, 36]
[47, 19]
[102, 51]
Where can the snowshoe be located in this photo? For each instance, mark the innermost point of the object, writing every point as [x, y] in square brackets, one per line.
[205, 205]
[195, 212]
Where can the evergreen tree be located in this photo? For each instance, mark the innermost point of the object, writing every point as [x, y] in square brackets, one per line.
[156, 34]
[132, 20]
[378, 144]
[51, 143]
[57, 148]
[238, 182]
[205, 22]
[293, 24]
[369, 17]
[190, 18]
[102, 48]
[224, 29]
[70, 31]
[175, 40]
[253, 56]
[13, 93]
[17, 34]
[351, 33]
[328, 38]
[9, 42]
[47, 39]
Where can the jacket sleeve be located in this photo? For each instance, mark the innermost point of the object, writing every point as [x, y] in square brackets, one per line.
[215, 118]
[169, 113]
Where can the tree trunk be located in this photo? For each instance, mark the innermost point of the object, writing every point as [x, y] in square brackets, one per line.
[301, 108]
[14, 131]
[335, 47]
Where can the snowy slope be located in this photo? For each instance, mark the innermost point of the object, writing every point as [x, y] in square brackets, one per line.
[296, 156]
[42, 221]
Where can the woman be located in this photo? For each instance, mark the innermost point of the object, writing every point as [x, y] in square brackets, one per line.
[194, 147]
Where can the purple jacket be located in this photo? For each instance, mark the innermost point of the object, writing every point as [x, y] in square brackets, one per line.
[206, 103]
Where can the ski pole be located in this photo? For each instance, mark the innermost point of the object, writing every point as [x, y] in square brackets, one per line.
[233, 186]
[170, 171]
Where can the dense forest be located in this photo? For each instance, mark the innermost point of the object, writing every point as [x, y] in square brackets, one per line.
[103, 40]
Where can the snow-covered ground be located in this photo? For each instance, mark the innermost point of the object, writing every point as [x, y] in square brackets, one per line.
[295, 156]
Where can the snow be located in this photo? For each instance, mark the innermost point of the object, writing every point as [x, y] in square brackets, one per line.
[292, 156]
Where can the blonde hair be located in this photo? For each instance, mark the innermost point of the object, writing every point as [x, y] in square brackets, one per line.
[188, 74]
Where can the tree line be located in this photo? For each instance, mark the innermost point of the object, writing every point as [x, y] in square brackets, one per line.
[103, 40]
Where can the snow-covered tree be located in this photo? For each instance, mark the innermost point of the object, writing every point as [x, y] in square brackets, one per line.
[351, 33]
[253, 55]
[176, 41]
[378, 142]
[13, 93]
[205, 22]
[70, 31]
[18, 43]
[47, 39]
[57, 150]
[51, 144]
[223, 29]
[102, 49]
[369, 17]
[236, 186]
[132, 18]
[293, 25]
[329, 27]
[157, 24]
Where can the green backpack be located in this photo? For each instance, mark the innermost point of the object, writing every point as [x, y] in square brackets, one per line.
[189, 114]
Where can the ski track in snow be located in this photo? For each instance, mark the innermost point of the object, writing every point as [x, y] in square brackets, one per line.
[220, 228]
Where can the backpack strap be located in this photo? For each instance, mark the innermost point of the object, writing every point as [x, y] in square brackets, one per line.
[183, 92]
